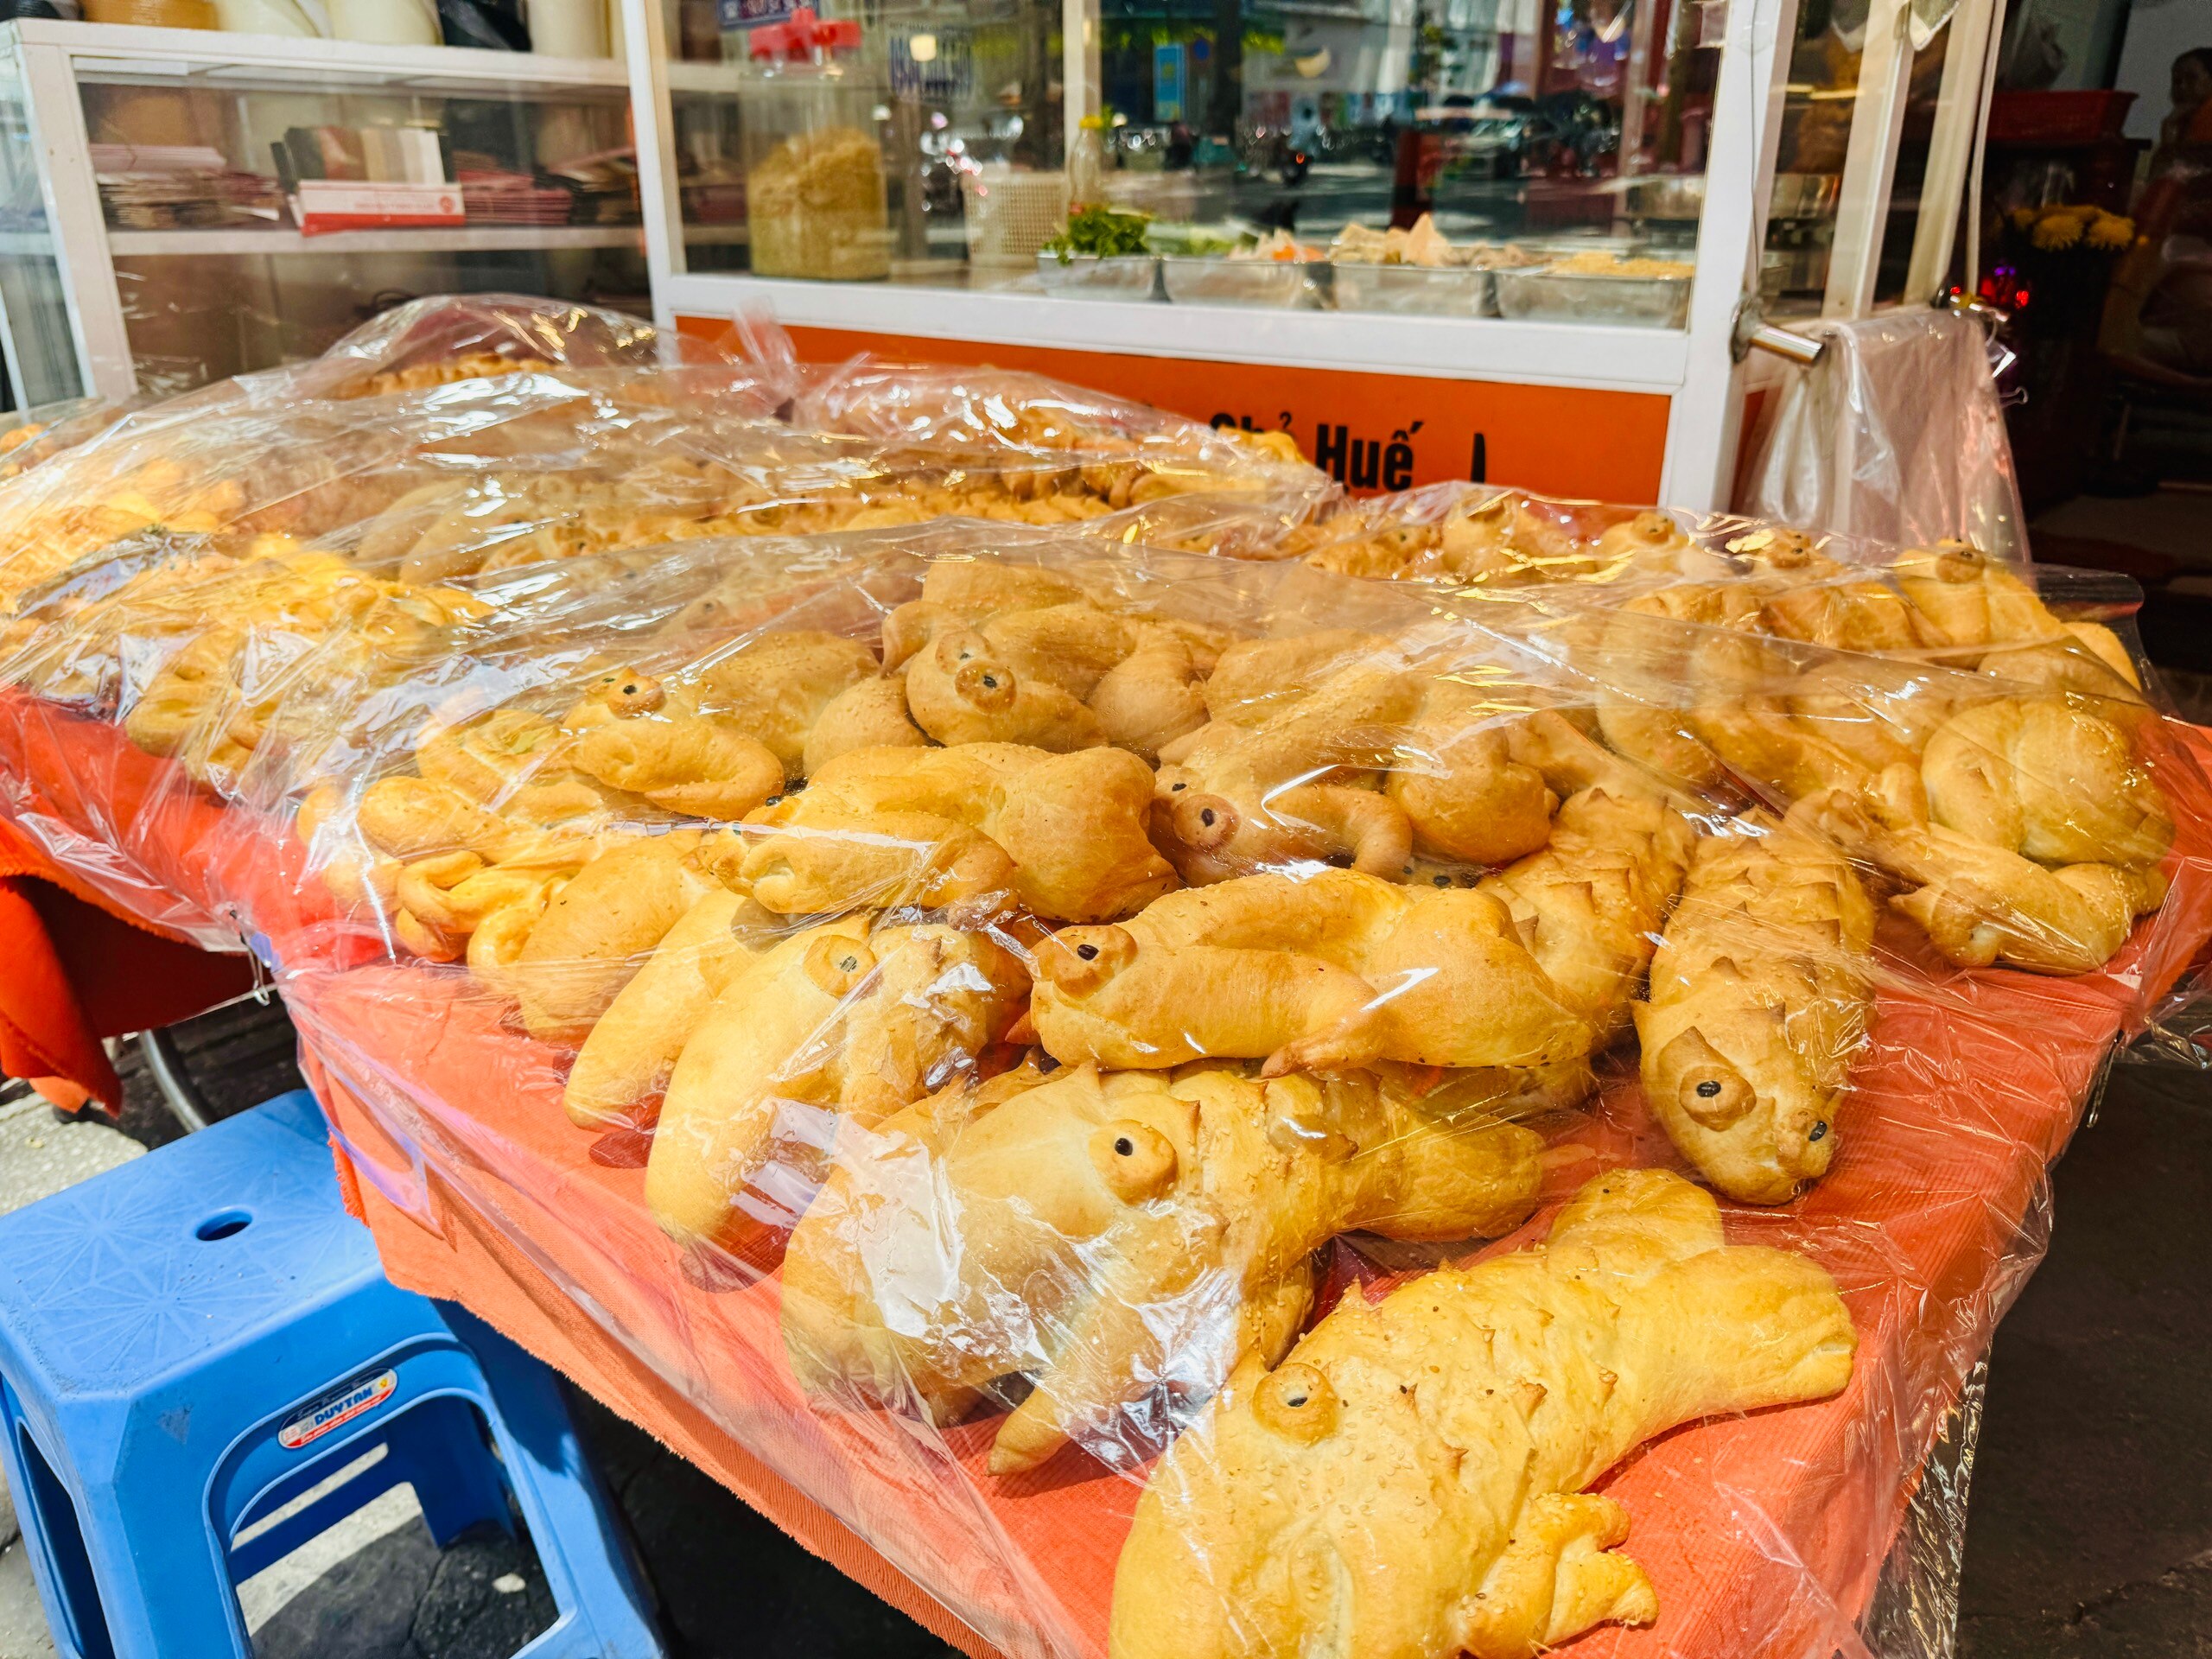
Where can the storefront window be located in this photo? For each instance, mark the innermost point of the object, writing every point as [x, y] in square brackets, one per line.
[1823, 95]
[1379, 154]
[34, 339]
[1929, 23]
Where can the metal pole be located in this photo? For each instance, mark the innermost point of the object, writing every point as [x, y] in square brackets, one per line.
[166, 1063]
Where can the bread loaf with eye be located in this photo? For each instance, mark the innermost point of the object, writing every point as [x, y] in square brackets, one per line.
[1062, 836]
[636, 1042]
[1409, 1483]
[1100, 1233]
[1466, 795]
[1063, 676]
[601, 928]
[1533, 966]
[2048, 779]
[1961, 597]
[1300, 785]
[719, 738]
[778, 686]
[1981, 904]
[833, 1021]
[1761, 995]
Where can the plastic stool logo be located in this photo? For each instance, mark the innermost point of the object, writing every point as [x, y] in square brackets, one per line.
[336, 1410]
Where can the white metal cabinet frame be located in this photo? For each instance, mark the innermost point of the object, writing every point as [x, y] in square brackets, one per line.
[1877, 133]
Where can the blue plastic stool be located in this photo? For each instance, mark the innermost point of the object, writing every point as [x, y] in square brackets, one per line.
[193, 1341]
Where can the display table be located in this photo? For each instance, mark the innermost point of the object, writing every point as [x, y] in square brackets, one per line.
[1764, 1534]
[79, 961]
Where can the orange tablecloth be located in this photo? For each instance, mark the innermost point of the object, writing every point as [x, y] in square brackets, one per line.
[102, 940]
[1763, 1535]
[72, 972]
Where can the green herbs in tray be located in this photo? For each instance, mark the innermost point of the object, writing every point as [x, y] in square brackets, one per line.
[1196, 241]
[1102, 232]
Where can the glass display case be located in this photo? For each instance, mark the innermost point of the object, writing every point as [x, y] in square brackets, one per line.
[44, 355]
[1314, 126]
[1523, 239]
[1874, 145]
[185, 205]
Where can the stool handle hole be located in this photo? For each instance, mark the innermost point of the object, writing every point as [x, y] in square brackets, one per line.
[222, 1224]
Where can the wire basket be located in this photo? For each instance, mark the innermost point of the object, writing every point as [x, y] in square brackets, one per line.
[1010, 214]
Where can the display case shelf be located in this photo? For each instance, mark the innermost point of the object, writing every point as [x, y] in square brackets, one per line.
[700, 77]
[1547, 354]
[251, 62]
[467, 239]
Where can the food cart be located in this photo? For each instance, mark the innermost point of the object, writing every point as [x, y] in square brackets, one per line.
[887, 177]
[1615, 201]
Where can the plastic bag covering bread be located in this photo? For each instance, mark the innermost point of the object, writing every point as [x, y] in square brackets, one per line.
[971, 406]
[902, 1100]
[1158, 1226]
[37, 435]
[295, 516]
[1944, 793]
[459, 438]
[454, 437]
[1484, 535]
[321, 448]
[988, 411]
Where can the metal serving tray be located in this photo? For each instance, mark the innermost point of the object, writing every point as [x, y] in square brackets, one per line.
[1557, 296]
[1414, 290]
[1087, 276]
[1202, 279]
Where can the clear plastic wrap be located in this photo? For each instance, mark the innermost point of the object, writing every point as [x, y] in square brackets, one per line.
[933, 403]
[458, 437]
[1494, 536]
[1024, 1033]
[433, 400]
[478, 438]
[39, 434]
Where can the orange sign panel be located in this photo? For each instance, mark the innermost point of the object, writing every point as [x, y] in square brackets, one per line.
[1371, 431]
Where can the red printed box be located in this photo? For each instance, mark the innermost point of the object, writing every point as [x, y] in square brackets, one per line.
[322, 206]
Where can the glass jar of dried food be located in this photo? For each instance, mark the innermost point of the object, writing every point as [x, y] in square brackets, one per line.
[809, 113]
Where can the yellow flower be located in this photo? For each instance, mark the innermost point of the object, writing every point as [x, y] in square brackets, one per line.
[2024, 217]
[2111, 230]
[2057, 230]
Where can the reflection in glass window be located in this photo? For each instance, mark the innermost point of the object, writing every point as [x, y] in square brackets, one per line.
[1449, 135]
[1822, 94]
